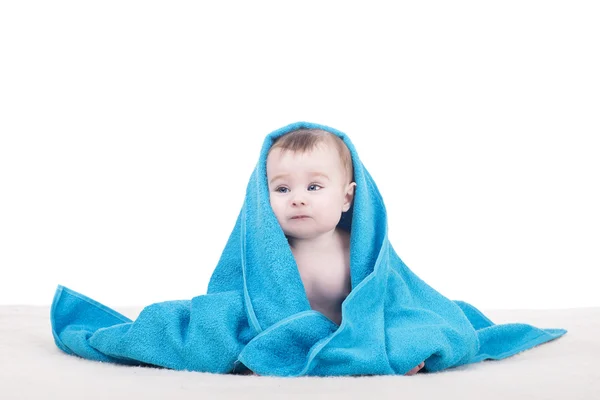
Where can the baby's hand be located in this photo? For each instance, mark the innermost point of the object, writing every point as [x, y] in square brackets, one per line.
[415, 369]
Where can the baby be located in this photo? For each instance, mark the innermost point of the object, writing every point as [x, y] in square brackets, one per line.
[309, 174]
[310, 178]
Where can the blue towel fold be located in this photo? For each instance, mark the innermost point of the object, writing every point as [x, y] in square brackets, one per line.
[256, 313]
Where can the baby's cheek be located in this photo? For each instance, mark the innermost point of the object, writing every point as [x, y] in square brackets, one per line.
[277, 209]
[272, 202]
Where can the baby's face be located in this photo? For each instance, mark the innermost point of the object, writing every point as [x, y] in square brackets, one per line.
[310, 184]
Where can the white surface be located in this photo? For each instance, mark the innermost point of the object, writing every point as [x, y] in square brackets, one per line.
[32, 367]
[128, 132]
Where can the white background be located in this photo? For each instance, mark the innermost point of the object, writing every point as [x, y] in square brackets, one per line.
[129, 130]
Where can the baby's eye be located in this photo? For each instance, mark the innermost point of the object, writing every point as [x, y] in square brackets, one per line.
[279, 191]
[313, 185]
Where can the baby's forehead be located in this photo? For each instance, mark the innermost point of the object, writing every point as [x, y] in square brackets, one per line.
[326, 159]
[318, 150]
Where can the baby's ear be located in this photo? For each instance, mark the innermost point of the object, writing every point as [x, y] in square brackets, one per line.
[349, 196]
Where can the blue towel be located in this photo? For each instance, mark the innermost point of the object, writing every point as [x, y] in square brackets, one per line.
[256, 314]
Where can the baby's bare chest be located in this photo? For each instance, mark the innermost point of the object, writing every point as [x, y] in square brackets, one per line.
[326, 278]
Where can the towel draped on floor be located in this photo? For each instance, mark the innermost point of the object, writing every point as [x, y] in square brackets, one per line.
[256, 314]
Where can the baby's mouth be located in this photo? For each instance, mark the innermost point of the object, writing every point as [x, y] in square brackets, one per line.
[300, 217]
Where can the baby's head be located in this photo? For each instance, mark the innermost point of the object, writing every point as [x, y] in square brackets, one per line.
[309, 173]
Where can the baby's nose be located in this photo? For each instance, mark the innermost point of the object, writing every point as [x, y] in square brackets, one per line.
[299, 199]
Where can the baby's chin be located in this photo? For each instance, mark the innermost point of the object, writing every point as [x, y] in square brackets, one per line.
[302, 235]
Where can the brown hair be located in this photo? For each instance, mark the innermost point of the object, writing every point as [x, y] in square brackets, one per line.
[304, 139]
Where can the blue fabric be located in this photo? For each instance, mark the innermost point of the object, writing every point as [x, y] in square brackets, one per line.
[256, 313]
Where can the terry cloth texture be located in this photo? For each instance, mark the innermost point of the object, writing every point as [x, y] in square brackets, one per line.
[256, 313]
